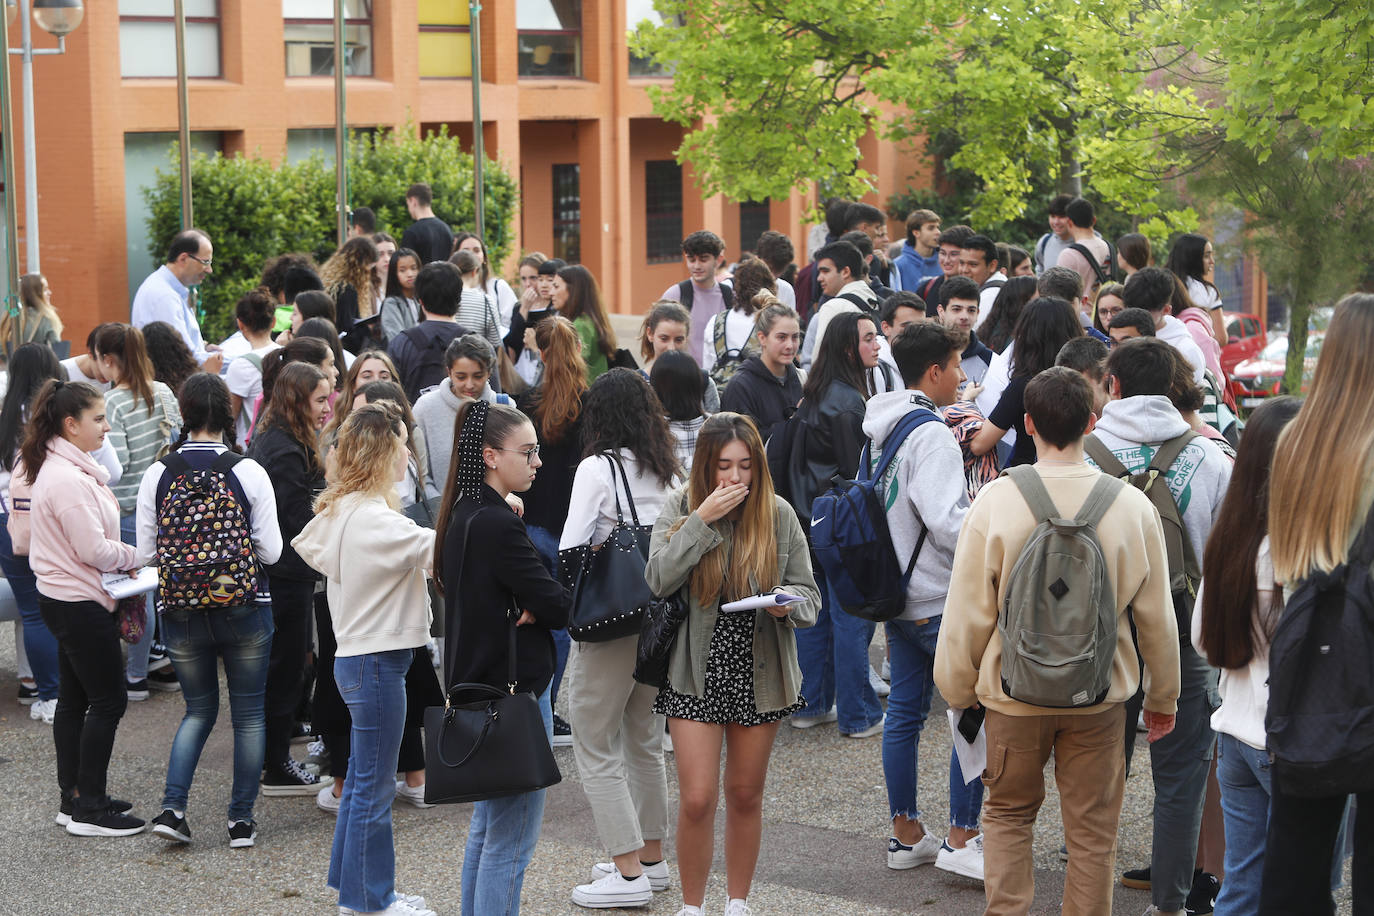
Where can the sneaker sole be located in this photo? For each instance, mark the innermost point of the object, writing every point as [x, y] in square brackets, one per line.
[955, 869]
[62, 820]
[1135, 883]
[810, 721]
[289, 791]
[137, 696]
[656, 885]
[561, 741]
[903, 864]
[870, 732]
[169, 687]
[159, 664]
[27, 701]
[77, 828]
[604, 902]
[243, 843]
[170, 833]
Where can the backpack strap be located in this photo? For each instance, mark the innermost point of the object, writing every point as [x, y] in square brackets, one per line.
[684, 294]
[1169, 450]
[1102, 456]
[1164, 458]
[254, 360]
[1100, 499]
[727, 294]
[893, 443]
[176, 465]
[1033, 492]
[718, 334]
[1092, 261]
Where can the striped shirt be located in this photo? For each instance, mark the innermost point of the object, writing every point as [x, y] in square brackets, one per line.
[138, 435]
[475, 311]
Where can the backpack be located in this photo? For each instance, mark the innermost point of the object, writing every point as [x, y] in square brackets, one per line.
[992, 284]
[1320, 718]
[685, 295]
[1184, 570]
[729, 360]
[205, 557]
[1055, 652]
[429, 367]
[850, 537]
[1103, 274]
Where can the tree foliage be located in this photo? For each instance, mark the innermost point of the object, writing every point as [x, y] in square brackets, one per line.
[253, 211]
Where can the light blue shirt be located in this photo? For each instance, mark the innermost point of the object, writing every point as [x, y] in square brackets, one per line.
[162, 297]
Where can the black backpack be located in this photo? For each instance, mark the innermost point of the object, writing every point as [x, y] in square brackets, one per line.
[1320, 719]
[1103, 274]
[685, 295]
[429, 368]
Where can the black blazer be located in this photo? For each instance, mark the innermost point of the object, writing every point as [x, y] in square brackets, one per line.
[500, 562]
[295, 484]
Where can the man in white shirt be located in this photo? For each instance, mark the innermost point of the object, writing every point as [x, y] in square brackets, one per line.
[165, 294]
[978, 262]
[1152, 289]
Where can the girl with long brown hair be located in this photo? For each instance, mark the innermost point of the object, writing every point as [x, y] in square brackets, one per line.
[36, 321]
[286, 444]
[732, 677]
[350, 276]
[578, 299]
[1319, 498]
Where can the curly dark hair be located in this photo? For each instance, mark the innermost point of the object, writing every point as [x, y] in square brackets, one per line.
[1045, 325]
[172, 361]
[622, 411]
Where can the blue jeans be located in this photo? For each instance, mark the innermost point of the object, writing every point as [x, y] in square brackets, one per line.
[362, 865]
[546, 542]
[1243, 773]
[911, 651]
[501, 839]
[242, 636]
[137, 667]
[833, 656]
[39, 642]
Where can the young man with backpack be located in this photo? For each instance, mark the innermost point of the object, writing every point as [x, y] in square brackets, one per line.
[418, 352]
[1088, 254]
[1143, 437]
[925, 498]
[1016, 614]
[700, 294]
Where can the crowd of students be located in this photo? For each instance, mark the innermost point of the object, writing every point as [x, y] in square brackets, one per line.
[398, 458]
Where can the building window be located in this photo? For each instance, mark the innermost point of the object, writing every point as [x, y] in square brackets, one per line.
[445, 39]
[304, 142]
[663, 210]
[550, 37]
[310, 37]
[753, 222]
[567, 213]
[147, 38]
[636, 13]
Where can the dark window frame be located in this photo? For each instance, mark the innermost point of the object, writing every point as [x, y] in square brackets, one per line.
[349, 21]
[567, 216]
[662, 220]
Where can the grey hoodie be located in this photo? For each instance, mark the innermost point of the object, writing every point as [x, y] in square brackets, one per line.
[924, 486]
[1134, 427]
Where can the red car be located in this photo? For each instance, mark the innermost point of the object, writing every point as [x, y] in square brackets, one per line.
[1247, 338]
[1256, 379]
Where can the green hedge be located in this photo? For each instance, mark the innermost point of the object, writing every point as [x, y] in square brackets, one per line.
[253, 211]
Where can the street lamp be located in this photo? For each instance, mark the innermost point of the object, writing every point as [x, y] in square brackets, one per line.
[57, 17]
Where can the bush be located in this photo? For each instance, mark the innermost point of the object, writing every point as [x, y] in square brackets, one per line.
[253, 211]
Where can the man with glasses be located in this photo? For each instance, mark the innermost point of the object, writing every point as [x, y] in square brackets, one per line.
[948, 248]
[165, 294]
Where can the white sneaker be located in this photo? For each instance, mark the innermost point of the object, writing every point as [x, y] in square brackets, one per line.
[402, 905]
[44, 710]
[875, 729]
[967, 861]
[614, 891]
[901, 856]
[880, 686]
[656, 873]
[887, 669]
[1153, 910]
[325, 800]
[412, 795]
[737, 907]
[690, 911]
[1140, 725]
[808, 721]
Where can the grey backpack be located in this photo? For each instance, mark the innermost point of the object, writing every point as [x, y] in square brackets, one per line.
[1058, 615]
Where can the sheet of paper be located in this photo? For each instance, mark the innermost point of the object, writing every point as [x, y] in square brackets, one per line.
[973, 758]
[773, 599]
[119, 585]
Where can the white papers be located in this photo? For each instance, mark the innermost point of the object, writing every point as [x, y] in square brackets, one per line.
[973, 758]
[773, 599]
[120, 585]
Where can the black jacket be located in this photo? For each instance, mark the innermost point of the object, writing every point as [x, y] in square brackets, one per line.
[762, 397]
[832, 438]
[500, 564]
[546, 501]
[296, 484]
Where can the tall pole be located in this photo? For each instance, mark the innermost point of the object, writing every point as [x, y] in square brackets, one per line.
[475, 27]
[183, 118]
[7, 167]
[340, 124]
[30, 147]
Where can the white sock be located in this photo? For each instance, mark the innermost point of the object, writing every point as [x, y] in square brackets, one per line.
[732, 900]
[689, 910]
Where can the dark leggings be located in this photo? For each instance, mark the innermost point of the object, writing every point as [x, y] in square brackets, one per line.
[291, 604]
[1299, 851]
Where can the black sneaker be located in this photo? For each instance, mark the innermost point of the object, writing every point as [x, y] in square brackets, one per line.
[164, 679]
[290, 778]
[242, 834]
[65, 809]
[107, 822]
[1203, 896]
[138, 690]
[28, 694]
[1138, 878]
[562, 732]
[158, 658]
[168, 825]
[300, 733]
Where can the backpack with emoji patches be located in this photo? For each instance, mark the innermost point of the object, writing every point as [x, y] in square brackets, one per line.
[204, 544]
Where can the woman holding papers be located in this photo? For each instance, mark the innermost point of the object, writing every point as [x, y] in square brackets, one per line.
[731, 676]
[617, 737]
[74, 537]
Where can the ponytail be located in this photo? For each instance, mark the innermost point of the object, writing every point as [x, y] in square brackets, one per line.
[565, 377]
[56, 401]
[125, 343]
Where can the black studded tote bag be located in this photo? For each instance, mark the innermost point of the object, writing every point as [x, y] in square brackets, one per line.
[607, 581]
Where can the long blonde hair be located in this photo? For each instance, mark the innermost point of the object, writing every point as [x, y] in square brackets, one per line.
[33, 309]
[1311, 520]
[365, 461]
[753, 558]
[352, 265]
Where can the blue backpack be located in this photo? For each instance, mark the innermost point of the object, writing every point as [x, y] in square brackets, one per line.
[850, 537]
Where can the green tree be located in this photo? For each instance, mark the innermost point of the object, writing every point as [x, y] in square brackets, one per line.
[254, 211]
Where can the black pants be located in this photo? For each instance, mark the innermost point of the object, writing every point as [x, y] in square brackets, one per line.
[1298, 855]
[91, 697]
[292, 600]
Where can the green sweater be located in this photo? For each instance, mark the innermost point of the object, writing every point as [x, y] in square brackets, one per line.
[777, 677]
[591, 347]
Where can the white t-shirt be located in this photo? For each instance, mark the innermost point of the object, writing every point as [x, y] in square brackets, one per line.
[1204, 297]
[786, 294]
[739, 328]
[74, 374]
[245, 380]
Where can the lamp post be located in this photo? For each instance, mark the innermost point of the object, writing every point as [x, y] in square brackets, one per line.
[475, 28]
[7, 176]
[57, 17]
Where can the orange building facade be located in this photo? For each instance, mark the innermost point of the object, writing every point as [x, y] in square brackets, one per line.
[565, 109]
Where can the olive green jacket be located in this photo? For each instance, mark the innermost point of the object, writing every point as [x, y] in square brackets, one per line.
[777, 678]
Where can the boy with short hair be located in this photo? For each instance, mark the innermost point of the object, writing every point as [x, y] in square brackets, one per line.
[919, 258]
[703, 297]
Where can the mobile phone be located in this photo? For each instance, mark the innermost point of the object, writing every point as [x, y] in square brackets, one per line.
[970, 721]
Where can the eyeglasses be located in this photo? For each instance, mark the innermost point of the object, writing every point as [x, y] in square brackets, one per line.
[529, 453]
[204, 261]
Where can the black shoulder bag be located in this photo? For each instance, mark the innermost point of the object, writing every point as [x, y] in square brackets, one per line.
[483, 742]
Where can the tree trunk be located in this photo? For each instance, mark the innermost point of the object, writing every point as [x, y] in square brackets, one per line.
[1298, 314]
[1069, 168]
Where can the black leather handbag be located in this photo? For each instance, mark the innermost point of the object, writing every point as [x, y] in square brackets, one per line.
[609, 591]
[662, 620]
[484, 742]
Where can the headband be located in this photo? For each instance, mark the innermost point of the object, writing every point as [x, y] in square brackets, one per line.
[472, 471]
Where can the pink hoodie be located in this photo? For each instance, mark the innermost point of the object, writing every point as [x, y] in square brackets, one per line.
[74, 524]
